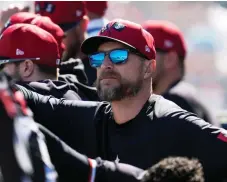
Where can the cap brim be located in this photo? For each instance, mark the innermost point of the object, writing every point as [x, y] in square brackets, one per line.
[4, 60]
[92, 44]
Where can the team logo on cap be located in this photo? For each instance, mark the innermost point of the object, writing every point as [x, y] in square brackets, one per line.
[37, 8]
[118, 26]
[168, 43]
[7, 24]
[19, 52]
[105, 28]
[78, 13]
[147, 49]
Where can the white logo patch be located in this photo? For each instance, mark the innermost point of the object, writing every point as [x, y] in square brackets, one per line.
[19, 52]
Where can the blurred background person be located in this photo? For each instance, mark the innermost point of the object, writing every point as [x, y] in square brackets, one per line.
[168, 79]
[55, 86]
[72, 17]
[96, 13]
[30, 55]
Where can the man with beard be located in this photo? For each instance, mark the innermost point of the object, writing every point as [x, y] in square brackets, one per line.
[36, 164]
[72, 17]
[137, 127]
[168, 79]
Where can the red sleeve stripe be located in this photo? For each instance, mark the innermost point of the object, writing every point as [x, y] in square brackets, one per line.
[93, 165]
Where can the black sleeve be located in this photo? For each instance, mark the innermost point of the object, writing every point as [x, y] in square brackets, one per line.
[193, 137]
[49, 87]
[73, 166]
[191, 105]
[71, 120]
[203, 141]
[210, 145]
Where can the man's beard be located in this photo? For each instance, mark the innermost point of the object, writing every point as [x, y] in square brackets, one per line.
[16, 75]
[124, 90]
[72, 51]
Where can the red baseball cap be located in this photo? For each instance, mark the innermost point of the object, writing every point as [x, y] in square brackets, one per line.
[97, 7]
[25, 41]
[40, 21]
[126, 32]
[45, 23]
[66, 14]
[167, 36]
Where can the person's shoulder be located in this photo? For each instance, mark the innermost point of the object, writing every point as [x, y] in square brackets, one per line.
[170, 112]
[163, 107]
[185, 94]
[56, 88]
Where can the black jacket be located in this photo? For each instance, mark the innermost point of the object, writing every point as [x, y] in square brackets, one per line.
[24, 149]
[161, 129]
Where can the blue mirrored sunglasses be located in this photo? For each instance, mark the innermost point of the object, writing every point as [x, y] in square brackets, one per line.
[116, 56]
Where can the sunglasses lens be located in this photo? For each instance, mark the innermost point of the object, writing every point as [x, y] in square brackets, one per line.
[96, 60]
[118, 56]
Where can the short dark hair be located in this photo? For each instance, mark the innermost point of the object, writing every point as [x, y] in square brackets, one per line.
[175, 169]
[47, 69]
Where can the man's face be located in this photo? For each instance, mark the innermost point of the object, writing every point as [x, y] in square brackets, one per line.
[13, 70]
[160, 69]
[115, 82]
[72, 42]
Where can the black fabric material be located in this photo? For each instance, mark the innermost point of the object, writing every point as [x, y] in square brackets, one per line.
[160, 130]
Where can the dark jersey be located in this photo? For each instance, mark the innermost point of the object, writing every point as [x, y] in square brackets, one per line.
[161, 129]
[73, 166]
[184, 95]
[24, 155]
[69, 164]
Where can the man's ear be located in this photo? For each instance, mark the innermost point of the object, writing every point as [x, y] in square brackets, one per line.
[84, 23]
[171, 60]
[27, 68]
[150, 67]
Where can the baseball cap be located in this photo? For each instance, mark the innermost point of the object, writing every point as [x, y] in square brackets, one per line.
[21, 17]
[40, 21]
[167, 36]
[123, 31]
[25, 41]
[66, 14]
[45, 23]
[97, 7]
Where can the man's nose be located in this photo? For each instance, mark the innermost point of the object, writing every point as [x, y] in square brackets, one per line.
[107, 63]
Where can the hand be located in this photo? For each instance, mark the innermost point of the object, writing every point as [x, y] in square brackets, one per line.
[12, 9]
